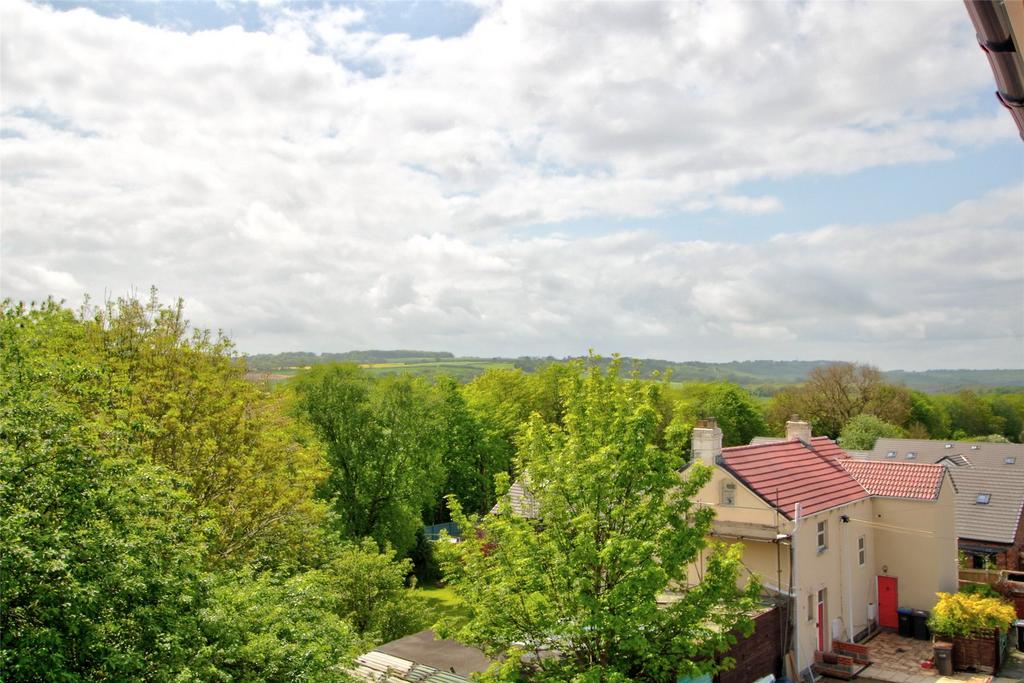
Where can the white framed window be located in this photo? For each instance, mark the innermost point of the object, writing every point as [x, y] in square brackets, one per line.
[729, 493]
[862, 551]
[810, 607]
[823, 535]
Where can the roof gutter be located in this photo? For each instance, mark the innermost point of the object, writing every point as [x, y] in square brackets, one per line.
[1000, 30]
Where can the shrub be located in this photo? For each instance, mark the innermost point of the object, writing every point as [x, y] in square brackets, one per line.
[966, 614]
[982, 589]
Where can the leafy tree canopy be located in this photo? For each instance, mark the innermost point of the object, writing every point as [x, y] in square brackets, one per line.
[861, 432]
[383, 444]
[615, 530]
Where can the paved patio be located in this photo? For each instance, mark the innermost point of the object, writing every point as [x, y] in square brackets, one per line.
[898, 660]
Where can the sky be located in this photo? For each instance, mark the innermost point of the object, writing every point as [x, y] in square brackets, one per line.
[689, 181]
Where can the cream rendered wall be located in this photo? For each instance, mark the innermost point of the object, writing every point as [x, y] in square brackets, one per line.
[762, 558]
[759, 556]
[848, 586]
[749, 507]
[916, 542]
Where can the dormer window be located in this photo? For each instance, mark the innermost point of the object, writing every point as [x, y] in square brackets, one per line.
[983, 498]
[911, 455]
[1010, 460]
[728, 493]
[949, 445]
[891, 454]
[975, 447]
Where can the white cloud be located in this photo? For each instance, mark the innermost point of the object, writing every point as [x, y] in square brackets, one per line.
[321, 186]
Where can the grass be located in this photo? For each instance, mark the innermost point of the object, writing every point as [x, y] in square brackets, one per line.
[442, 603]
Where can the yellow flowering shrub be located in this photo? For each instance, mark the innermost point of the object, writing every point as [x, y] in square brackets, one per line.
[964, 614]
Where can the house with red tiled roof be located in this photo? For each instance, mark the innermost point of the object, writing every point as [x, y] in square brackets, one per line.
[843, 542]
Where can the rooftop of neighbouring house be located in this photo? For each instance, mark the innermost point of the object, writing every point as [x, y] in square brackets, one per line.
[988, 507]
[421, 658]
[919, 481]
[981, 454]
[785, 473]
[523, 504]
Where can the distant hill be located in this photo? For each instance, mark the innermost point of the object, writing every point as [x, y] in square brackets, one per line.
[761, 376]
[953, 380]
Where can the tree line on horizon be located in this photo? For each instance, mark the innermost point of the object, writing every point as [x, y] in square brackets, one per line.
[760, 377]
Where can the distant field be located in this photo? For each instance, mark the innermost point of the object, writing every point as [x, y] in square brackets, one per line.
[462, 369]
[761, 377]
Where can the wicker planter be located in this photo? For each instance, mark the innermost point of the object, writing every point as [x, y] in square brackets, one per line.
[977, 653]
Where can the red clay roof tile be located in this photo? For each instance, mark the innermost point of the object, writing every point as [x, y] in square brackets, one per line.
[789, 472]
[897, 479]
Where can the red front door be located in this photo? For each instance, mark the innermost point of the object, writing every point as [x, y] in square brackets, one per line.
[888, 600]
[821, 620]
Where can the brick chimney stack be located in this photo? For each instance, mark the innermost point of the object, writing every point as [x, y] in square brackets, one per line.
[707, 441]
[797, 429]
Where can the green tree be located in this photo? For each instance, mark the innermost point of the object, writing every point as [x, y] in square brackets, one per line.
[927, 415]
[383, 446]
[861, 432]
[733, 407]
[102, 555]
[469, 457]
[835, 394]
[615, 529]
[183, 396]
[1010, 408]
[308, 626]
[971, 415]
[502, 400]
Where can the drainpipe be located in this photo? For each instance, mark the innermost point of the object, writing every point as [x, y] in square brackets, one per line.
[849, 577]
[796, 589]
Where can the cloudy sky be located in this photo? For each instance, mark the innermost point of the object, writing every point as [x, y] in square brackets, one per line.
[706, 181]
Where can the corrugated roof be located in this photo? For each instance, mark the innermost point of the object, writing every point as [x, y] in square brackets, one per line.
[897, 479]
[998, 519]
[785, 473]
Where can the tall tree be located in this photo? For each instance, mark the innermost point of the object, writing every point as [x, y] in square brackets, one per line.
[615, 528]
[468, 456]
[102, 555]
[383, 446]
[834, 394]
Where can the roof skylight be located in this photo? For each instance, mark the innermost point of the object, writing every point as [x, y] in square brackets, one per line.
[983, 498]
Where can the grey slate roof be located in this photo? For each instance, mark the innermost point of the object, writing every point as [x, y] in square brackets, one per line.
[761, 440]
[975, 467]
[979, 454]
[996, 521]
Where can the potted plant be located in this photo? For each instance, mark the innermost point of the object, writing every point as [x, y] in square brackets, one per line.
[975, 624]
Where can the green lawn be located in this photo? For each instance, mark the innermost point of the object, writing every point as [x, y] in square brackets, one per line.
[443, 603]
